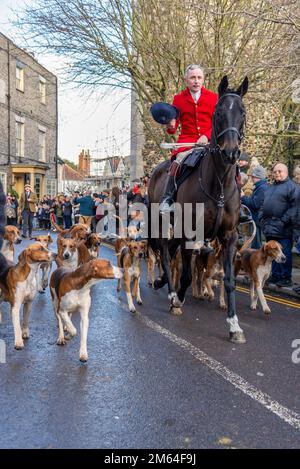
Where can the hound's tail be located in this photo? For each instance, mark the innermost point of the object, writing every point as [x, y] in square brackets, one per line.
[247, 243]
[58, 228]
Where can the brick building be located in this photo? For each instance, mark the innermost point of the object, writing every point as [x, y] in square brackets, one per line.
[28, 121]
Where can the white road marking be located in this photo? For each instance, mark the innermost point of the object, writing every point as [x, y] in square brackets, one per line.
[287, 415]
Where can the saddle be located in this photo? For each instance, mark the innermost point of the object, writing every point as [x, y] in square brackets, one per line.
[189, 164]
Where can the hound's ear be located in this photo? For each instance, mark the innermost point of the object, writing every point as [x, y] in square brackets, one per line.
[223, 86]
[242, 90]
[23, 258]
[88, 242]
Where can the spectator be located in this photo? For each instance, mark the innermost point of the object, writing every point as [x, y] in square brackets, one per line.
[244, 162]
[296, 174]
[248, 188]
[86, 207]
[67, 212]
[10, 210]
[277, 219]
[256, 200]
[2, 221]
[27, 208]
[94, 221]
[16, 203]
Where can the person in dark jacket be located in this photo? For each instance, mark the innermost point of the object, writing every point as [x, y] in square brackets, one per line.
[277, 217]
[256, 200]
[67, 213]
[2, 214]
[86, 207]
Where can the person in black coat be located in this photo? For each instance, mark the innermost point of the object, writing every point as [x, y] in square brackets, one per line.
[256, 200]
[3, 261]
[67, 212]
[277, 219]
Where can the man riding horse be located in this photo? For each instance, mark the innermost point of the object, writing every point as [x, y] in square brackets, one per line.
[196, 106]
[211, 183]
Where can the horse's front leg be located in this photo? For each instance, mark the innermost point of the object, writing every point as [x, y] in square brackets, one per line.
[166, 254]
[236, 334]
[186, 275]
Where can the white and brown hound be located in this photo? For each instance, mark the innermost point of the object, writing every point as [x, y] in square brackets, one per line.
[129, 255]
[257, 265]
[19, 286]
[45, 267]
[10, 238]
[70, 291]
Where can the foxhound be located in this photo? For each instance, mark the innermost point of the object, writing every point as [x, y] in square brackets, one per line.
[18, 285]
[70, 291]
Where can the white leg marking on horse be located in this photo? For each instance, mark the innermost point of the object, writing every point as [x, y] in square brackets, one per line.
[234, 324]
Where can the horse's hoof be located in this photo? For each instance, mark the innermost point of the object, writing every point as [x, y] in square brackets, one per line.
[223, 307]
[237, 337]
[158, 284]
[267, 313]
[175, 311]
[253, 308]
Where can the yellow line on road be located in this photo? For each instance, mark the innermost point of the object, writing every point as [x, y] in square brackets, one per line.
[281, 301]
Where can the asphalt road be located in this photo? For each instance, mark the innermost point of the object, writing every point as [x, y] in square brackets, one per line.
[153, 380]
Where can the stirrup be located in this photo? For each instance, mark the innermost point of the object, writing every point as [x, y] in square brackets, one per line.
[166, 206]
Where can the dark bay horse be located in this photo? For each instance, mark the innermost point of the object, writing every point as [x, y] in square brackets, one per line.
[213, 183]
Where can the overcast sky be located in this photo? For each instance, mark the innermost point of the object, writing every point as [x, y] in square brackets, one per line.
[103, 126]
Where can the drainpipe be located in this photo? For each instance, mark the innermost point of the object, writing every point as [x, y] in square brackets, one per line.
[56, 142]
[9, 174]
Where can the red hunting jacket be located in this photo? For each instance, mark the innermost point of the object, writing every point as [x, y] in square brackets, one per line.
[195, 118]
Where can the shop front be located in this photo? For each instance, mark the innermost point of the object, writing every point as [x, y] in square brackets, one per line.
[35, 175]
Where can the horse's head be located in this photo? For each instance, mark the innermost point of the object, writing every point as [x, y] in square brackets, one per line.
[229, 120]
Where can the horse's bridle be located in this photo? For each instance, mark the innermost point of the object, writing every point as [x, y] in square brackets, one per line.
[228, 129]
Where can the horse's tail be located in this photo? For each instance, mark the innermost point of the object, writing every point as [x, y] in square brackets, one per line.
[247, 243]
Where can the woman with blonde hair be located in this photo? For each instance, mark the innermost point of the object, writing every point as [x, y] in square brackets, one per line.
[248, 187]
[296, 174]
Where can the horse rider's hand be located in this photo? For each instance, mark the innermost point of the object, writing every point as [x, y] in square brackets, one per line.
[172, 124]
[203, 140]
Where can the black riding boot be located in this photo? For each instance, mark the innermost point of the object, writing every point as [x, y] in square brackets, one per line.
[168, 197]
[244, 217]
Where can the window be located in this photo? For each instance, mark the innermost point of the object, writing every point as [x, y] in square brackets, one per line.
[42, 89]
[51, 187]
[20, 76]
[42, 145]
[20, 138]
[3, 179]
[37, 185]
